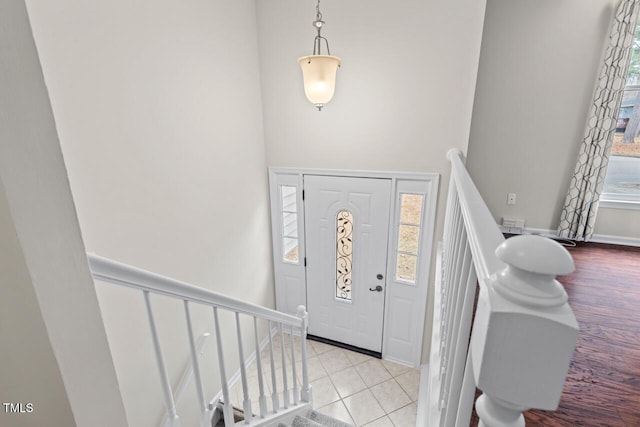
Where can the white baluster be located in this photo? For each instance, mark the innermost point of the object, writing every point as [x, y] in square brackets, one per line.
[445, 294]
[305, 393]
[196, 367]
[186, 377]
[467, 394]
[448, 251]
[455, 308]
[452, 200]
[162, 370]
[227, 408]
[452, 295]
[262, 400]
[452, 197]
[246, 403]
[452, 350]
[458, 252]
[296, 396]
[524, 332]
[468, 289]
[451, 261]
[274, 384]
[285, 391]
[453, 215]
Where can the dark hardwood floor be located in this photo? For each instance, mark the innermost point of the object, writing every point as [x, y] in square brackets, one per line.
[603, 383]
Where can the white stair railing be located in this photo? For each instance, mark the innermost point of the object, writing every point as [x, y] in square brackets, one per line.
[524, 332]
[149, 283]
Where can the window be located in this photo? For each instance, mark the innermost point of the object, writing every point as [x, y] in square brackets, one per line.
[408, 237]
[344, 254]
[289, 212]
[622, 182]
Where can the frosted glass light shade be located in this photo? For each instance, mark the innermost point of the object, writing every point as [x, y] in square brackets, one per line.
[319, 75]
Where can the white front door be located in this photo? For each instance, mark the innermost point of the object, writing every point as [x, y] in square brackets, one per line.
[347, 227]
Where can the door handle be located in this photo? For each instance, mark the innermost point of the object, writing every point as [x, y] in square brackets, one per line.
[376, 289]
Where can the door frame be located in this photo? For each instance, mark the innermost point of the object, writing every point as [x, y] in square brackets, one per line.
[358, 320]
[397, 346]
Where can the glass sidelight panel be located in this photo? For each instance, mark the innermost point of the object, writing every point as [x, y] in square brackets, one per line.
[344, 254]
[408, 244]
[406, 267]
[289, 213]
[408, 240]
[411, 208]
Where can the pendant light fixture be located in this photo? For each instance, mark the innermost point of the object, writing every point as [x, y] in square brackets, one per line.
[318, 70]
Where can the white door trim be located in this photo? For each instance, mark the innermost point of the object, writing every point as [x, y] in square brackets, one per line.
[418, 176]
[428, 184]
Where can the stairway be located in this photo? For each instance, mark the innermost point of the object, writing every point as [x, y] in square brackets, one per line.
[315, 419]
[310, 419]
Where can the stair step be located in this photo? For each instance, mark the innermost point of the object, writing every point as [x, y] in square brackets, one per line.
[238, 415]
[311, 419]
[316, 419]
[326, 420]
[299, 421]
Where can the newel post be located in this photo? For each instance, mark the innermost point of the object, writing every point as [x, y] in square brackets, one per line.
[524, 334]
[305, 393]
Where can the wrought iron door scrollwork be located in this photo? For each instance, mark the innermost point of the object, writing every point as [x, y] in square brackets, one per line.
[344, 254]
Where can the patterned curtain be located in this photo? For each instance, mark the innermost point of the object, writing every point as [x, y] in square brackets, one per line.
[581, 205]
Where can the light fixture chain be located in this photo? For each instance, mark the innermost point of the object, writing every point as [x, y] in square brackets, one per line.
[317, 43]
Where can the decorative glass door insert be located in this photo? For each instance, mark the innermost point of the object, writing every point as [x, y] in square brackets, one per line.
[344, 254]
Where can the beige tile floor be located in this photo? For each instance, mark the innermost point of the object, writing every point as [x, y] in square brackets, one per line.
[349, 386]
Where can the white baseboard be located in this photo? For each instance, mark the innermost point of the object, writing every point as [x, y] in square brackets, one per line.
[596, 238]
[616, 240]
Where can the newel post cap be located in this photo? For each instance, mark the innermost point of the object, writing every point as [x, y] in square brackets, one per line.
[301, 311]
[536, 254]
[532, 264]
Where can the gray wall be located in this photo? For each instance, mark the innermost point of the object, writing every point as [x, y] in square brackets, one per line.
[538, 67]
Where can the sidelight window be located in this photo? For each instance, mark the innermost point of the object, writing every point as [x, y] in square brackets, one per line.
[289, 213]
[408, 243]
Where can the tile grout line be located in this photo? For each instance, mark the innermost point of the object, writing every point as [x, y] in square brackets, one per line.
[341, 399]
[377, 400]
[368, 388]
